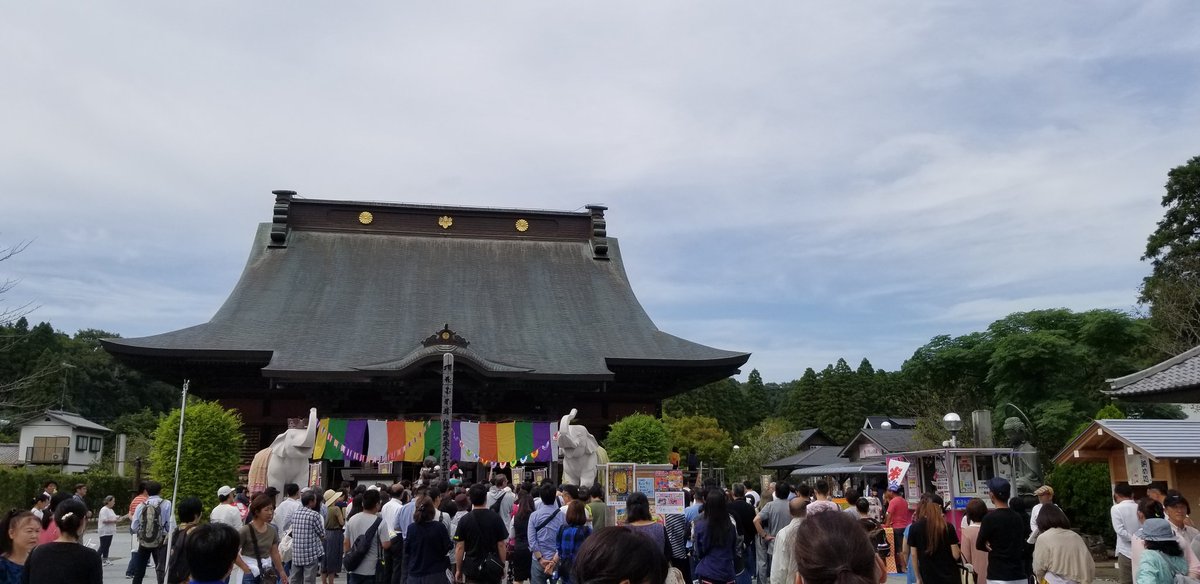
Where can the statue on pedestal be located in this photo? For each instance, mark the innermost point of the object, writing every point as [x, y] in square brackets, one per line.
[286, 460]
[581, 454]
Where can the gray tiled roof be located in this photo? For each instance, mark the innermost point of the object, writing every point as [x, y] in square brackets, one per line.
[876, 422]
[889, 440]
[1158, 438]
[1177, 373]
[76, 421]
[10, 453]
[815, 456]
[352, 302]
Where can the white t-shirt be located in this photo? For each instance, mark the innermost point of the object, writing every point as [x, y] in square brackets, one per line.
[108, 522]
[753, 498]
[228, 514]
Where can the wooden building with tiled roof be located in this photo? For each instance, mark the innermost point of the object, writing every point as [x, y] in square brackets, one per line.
[338, 297]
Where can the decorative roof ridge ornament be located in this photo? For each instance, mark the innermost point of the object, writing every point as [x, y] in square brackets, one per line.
[446, 340]
[599, 232]
[279, 220]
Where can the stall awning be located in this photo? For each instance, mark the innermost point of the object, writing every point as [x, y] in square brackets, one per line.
[841, 469]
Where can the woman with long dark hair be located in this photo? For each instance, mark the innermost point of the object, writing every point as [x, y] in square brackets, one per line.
[521, 559]
[65, 560]
[934, 543]
[18, 535]
[716, 540]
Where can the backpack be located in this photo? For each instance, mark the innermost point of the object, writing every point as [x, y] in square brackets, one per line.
[150, 531]
[177, 564]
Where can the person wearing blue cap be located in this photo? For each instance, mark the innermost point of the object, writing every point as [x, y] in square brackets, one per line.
[1002, 534]
[1163, 558]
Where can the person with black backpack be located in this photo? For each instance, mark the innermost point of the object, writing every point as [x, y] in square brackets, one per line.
[178, 569]
[480, 541]
[151, 524]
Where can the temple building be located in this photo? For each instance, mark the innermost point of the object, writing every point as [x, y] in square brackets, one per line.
[349, 306]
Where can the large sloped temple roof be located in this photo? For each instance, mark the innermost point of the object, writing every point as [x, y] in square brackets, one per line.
[1176, 380]
[340, 294]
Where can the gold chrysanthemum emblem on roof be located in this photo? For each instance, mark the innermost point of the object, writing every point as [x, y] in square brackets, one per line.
[365, 217]
[445, 221]
[522, 225]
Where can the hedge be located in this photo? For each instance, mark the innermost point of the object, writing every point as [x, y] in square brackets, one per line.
[18, 487]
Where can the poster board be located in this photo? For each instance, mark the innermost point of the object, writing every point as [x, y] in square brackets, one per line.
[966, 474]
[619, 483]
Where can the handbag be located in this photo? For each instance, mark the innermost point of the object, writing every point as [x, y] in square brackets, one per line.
[285, 546]
[267, 574]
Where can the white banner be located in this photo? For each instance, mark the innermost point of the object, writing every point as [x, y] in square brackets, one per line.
[896, 470]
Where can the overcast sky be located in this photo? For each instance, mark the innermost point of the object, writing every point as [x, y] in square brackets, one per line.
[802, 181]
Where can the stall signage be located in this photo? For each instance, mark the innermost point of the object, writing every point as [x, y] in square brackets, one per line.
[1137, 467]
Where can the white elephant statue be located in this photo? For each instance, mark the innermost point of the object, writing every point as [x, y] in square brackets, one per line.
[580, 452]
[286, 460]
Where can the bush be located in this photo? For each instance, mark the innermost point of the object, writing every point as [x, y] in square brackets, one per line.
[18, 487]
[212, 440]
[1083, 491]
[639, 439]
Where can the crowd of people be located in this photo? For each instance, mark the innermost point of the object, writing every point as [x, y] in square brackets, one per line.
[436, 531]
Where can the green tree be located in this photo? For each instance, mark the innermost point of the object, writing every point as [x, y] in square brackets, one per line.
[704, 435]
[1172, 290]
[759, 445]
[721, 400]
[801, 395]
[212, 439]
[640, 439]
[1084, 493]
[755, 402]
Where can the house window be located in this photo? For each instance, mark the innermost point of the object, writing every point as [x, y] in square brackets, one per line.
[48, 450]
[95, 445]
[81, 443]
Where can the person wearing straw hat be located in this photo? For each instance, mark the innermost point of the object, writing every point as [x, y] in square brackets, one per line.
[1163, 558]
[335, 523]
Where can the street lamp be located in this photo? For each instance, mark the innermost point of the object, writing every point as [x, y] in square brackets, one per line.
[952, 423]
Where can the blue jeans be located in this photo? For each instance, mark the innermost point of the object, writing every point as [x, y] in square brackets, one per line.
[536, 575]
[352, 578]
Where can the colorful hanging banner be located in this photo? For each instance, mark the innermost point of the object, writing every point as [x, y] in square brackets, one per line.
[505, 443]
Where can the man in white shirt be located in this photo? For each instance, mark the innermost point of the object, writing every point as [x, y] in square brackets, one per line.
[1045, 495]
[1125, 524]
[227, 511]
[783, 562]
[752, 496]
[283, 512]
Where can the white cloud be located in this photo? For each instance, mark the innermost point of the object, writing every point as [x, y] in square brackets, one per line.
[866, 174]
